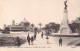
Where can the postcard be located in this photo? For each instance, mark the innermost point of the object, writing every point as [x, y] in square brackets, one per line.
[36, 25]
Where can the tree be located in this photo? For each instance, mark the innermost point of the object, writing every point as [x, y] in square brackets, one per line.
[75, 27]
[40, 25]
[32, 26]
[7, 29]
[53, 27]
[47, 27]
[35, 29]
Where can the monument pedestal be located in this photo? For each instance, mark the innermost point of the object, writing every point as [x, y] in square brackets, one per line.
[65, 30]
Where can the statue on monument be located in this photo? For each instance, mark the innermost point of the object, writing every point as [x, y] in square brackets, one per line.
[65, 5]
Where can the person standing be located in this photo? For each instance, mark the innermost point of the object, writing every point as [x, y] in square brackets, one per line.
[28, 39]
[18, 41]
[34, 36]
[60, 42]
[42, 35]
[32, 39]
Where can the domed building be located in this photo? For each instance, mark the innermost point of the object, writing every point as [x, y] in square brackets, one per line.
[23, 26]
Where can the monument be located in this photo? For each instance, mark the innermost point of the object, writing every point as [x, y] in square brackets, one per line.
[64, 27]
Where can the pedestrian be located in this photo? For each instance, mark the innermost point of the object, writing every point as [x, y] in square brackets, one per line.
[28, 39]
[32, 39]
[34, 36]
[18, 41]
[60, 42]
[35, 32]
[42, 35]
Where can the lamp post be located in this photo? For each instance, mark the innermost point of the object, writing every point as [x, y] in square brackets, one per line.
[47, 37]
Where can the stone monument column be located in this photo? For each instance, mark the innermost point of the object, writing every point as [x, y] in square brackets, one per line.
[64, 27]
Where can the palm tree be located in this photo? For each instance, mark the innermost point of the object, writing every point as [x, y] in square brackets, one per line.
[32, 26]
[35, 30]
[40, 25]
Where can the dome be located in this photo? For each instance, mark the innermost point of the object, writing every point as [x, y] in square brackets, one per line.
[24, 20]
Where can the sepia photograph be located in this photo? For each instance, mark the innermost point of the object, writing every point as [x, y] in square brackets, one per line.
[39, 25]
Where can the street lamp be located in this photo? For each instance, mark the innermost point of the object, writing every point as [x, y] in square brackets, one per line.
[47, 37]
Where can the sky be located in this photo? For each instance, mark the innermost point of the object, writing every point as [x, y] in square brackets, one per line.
[37, 11]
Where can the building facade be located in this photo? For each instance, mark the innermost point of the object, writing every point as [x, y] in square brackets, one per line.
[22, 26]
